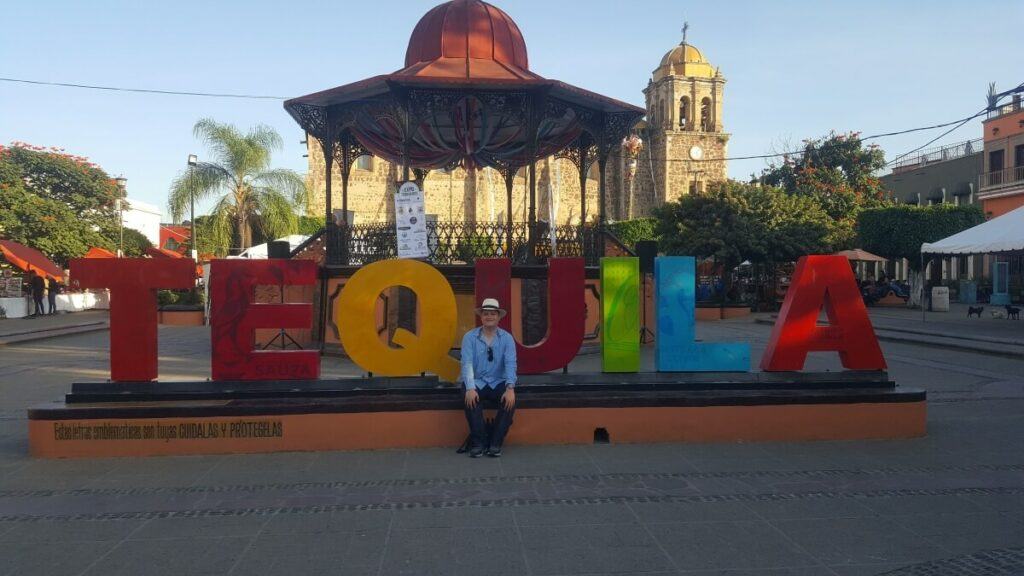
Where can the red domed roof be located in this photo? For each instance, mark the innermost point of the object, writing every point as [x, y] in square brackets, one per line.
[467, 39]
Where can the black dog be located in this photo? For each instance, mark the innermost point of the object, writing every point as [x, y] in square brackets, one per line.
[975, 310]
[1012, 312]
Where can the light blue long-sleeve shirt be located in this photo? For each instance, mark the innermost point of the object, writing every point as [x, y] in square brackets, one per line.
[477, 371]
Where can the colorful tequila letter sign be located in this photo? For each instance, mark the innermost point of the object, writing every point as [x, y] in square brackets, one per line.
[133, 283]
[676, 351]
[566, 310]
[234, 316]
[426, 351]
[620, 317]
[823, 281]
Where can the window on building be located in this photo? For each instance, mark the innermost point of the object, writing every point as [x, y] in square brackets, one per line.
[364, 162]
[684, 112]
[995, 167]
[594, 173]
[1018, 158]
[706, 117]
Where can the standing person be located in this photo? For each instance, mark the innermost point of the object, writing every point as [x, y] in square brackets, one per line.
[38, 287]
[51, 295]
[488, 377]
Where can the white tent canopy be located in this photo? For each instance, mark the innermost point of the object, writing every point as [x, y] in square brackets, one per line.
[1002, 234]
[260, 250]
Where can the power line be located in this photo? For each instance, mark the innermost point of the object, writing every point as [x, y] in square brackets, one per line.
[992, 105]
[958, 123]
[955, 123]
[928, 143]
[144, 90]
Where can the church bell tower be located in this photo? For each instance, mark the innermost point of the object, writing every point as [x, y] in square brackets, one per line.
[685, 134]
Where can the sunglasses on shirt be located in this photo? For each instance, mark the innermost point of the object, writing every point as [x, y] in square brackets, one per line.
[490, 354]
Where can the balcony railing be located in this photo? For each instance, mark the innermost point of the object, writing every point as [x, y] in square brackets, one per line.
[1000, 178]
[1005, 109]
[461, 243]
[938, 154]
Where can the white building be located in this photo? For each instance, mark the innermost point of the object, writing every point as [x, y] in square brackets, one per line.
[143, 217]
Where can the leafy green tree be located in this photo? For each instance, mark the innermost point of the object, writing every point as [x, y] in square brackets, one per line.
[309, 225]
[733, 222]
[71, 180]
[253, 196]
[837, 171]
[791, 225]
[715, 224]
[212, 241]
[629, 232]
[135, 243]
[897, 232]
[56, 203]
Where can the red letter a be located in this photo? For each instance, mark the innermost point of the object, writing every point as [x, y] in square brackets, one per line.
[823, 281]
[566, 310]
[133, 283]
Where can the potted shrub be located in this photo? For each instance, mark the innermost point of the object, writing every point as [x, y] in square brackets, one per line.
[181, 307]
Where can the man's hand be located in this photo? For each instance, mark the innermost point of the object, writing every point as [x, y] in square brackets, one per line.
[508, 399]
[472, 397]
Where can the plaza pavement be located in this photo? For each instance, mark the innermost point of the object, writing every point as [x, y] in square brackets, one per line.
[950, 503]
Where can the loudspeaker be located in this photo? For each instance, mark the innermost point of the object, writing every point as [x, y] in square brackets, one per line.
[278, 249]
[647, 251]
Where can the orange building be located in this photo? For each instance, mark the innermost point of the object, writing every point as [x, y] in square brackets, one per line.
[1001, 186]
[174, 237]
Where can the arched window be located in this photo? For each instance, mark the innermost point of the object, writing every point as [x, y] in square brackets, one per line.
[707, 121]
[684, 112]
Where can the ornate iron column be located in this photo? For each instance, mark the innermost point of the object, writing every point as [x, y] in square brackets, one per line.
[327, 144]
[582, 166]
[349, 149]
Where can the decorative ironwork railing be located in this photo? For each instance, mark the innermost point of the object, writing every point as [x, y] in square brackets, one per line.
[461, 243]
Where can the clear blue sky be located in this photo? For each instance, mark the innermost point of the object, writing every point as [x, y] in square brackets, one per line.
[794, 69]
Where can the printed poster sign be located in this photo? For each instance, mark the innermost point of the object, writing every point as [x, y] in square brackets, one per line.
[10, 287]
[411, 222]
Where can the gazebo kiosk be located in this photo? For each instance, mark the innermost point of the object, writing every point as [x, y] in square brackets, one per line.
[466, 97]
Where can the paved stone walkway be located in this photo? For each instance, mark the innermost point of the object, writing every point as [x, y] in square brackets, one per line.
[951, 503]
[17, 326]
[952, 323]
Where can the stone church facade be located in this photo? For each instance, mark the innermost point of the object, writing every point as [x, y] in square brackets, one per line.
[683, 150]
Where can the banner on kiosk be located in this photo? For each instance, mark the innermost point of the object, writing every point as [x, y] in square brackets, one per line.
[411, 222]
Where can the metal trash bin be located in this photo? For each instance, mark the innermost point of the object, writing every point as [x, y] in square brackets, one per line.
[940, 299]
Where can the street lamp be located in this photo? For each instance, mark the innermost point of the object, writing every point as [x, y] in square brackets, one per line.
[192, 161]
[122, 187]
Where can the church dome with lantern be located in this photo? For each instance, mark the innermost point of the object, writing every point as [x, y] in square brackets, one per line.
[684, 60]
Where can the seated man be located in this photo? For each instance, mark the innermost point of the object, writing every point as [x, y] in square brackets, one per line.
[488, 376]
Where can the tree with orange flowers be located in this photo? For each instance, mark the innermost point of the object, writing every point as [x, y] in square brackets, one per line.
[838, 172]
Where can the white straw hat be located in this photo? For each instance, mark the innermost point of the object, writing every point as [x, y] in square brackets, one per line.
[491, 304]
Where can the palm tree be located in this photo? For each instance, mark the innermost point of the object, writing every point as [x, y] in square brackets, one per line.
[255, 196]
